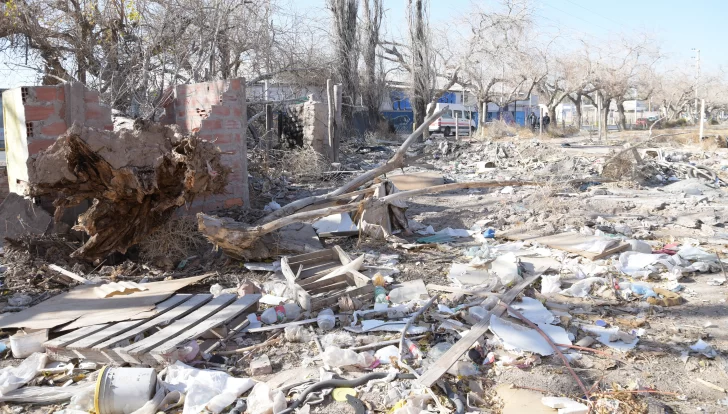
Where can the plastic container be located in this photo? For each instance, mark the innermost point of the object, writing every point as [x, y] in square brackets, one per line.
[280, 313]
[23, 345]
[123, 390]
[326, 320]
[438, 350]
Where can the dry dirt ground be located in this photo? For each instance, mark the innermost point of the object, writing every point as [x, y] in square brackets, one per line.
[655, 376]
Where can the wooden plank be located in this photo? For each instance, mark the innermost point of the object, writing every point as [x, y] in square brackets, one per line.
[66, 273]
[449, 289]
[334, 234]
[74, 336]
[119, 328]
[318, 268]
[438, 369]
[331, 300]
[344, 258]
[179, 311]
[282, 325]
[343, 284]
[226, 314]
[322, 283]
[359, 279]
[307, 257]
[181, 325]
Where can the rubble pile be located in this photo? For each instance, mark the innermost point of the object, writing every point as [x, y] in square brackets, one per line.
[544, 280]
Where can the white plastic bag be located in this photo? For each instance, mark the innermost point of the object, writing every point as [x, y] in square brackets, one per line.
[205, 389]
[582, 288]
[263, 400]
[550, 284]
[12, 378]
[696, 253]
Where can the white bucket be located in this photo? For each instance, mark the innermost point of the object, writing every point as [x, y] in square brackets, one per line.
[24, 344]
[123, 390]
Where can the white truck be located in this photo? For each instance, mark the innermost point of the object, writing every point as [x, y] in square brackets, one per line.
[446, 123]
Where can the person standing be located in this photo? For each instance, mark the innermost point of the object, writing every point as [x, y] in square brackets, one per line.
[546, 122]
[532, 120]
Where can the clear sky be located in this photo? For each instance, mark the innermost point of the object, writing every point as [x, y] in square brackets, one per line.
[677, 25]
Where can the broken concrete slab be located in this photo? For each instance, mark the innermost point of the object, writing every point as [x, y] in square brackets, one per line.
[260, 366]
[19, 217]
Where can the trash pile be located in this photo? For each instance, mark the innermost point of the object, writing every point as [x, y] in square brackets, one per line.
[582, 297]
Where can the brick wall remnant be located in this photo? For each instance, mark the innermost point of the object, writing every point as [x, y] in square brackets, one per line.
[36, 116]
[217, 111]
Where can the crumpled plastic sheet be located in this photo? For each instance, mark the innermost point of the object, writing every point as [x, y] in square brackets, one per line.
[582, 288]
[520, 338]
[205, 389]
[12, 378]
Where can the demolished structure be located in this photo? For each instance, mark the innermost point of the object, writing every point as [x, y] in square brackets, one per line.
[505, 275]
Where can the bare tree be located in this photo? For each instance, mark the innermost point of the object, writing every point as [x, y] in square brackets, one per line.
[346, 50]
[371, 85]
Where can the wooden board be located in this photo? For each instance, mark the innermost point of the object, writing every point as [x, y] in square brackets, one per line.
[181, 325]
[568, 242]
[224, 315]
[82, 307]
[180, 311]
[472, 292]
[74, 336]
[115, 330]
[440, 367]
[331, 300]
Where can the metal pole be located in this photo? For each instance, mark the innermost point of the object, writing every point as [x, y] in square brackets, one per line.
[457, 127]
[599, 115]
[702, 116]
[697, 77]
[540, 120]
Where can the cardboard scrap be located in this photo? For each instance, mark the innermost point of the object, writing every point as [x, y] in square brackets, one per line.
[82, 306]
[591, 247]
[119, 288]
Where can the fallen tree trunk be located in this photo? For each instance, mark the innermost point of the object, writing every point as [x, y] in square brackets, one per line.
[135, 181]
[240, 240]
[398, 160]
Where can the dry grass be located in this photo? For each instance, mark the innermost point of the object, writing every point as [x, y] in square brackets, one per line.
[305, 163]
[177, 239]
[692, 139]
[500, 129]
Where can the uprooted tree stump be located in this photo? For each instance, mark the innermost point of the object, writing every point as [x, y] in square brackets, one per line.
[134, 179]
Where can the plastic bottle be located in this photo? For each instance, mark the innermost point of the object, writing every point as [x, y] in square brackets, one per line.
[326, 320]
[380, 295]
[280, 313]
[477, 313]
[337, 357]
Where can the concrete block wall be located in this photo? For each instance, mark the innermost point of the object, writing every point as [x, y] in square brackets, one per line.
[215, 110]
[34, 117]
[314, 117]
